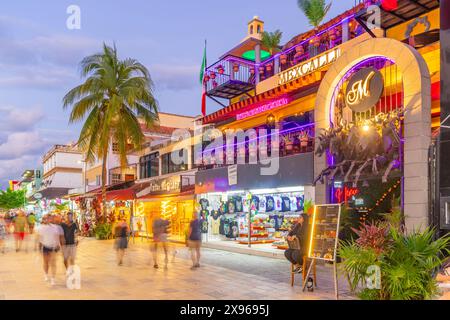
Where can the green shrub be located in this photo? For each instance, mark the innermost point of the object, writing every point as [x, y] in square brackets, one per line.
[103, 231]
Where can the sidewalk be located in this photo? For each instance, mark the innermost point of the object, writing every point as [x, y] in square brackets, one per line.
[223, 275]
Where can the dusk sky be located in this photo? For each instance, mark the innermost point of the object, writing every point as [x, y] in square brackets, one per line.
[39, 58]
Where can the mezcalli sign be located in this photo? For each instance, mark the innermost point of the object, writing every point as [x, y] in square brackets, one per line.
[309, 66]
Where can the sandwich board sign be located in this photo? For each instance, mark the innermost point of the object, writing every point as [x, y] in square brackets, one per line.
[324, 237]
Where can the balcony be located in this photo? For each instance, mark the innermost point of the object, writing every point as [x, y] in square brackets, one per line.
[230, 77]
[292, 141]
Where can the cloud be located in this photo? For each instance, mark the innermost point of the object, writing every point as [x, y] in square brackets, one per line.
[19, 144]
[13, 168]
[173, 77]
[16, 120]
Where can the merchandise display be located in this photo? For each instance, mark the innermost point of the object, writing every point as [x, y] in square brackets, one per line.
[272, 214]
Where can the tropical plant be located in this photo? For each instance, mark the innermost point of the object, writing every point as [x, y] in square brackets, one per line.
[115, 95]
[271, 40]
[10, 199]
[103, 231]
[372, 236]
[407, 264]
[314, 10]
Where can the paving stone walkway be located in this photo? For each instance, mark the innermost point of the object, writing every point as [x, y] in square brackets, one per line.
[222, 275]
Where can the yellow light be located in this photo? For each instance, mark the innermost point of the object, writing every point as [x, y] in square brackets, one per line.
[366, 128]
[312, 232]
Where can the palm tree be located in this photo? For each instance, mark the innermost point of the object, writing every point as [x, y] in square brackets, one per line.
[271, 40]
[314, 10]
[115, 95]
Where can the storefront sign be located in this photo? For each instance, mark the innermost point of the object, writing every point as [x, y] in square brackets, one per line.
[344, 194]
[263, 108]
[166, 185]
[364, 89]
[232, 175]
[309, 66]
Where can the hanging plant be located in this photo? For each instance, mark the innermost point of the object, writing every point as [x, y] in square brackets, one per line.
[261, 70]
[316, 41]
[332, 34]
[269, 67]
[299, 49]
[206, 78]
[220, 69]
[283, 59]
[212, 75]
[236, 67]
[252, 70]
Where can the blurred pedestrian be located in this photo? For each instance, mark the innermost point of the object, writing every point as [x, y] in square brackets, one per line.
[160, 229]
[51, 236]
[8, 221]
[121, 232]
[195, 240]
[70, 229]
[3, 234]
[31, 222]
[20, 224]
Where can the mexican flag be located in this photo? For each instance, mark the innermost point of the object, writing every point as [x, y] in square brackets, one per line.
[202, 76]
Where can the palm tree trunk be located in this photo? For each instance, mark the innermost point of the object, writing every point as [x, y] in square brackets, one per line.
[104, 178]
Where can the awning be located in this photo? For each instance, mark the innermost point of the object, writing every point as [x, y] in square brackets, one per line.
[120, 195]
[181, 196]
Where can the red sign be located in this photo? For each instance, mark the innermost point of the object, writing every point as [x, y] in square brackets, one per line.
[389, 5]
[344, 194]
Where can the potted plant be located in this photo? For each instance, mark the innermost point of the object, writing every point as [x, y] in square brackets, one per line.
[220, 69]
[103, 231]
[206, 78]
[269, 67]
[288, 143]
[212, 75]
[236, 67]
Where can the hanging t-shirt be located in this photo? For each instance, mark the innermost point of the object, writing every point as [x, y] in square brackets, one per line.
[222, 225]
[226, 227]
[204, 203]
[276, 220]
[239, 206]
[300, 203]
[232, 206]
[204, 225]
[255, 201]
[270, 204]
[215, 226]
[286, 204]
[262, 204]
[293, 203]
[223, 208]
[278, 203]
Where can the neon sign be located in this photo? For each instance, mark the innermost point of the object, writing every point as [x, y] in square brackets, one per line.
[263, 108]
[344, 194]
[309, 66]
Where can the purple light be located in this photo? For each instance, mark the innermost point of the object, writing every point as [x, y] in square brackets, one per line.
[267, 135]
[263, 108]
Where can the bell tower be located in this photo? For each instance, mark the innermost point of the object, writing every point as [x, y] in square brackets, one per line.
[255, 28]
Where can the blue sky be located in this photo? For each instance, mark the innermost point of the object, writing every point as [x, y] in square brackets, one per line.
[39, 57]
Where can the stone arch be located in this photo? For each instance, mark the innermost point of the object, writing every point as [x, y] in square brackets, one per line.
[417, 105]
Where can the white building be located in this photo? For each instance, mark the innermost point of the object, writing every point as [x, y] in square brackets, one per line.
[62, 171]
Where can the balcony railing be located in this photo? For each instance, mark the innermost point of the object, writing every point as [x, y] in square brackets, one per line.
[291, 141]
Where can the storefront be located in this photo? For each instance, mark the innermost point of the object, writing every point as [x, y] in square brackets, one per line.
[172, 198]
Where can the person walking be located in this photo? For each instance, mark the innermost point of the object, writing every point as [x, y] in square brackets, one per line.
[31, 222]
[3, 234]
[195, 240]
[160, 227]
[70, 229]
[50, 239]
[20, 224]
[121, 232]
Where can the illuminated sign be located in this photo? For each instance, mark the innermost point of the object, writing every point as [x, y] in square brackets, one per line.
[344, 194]
[263, 108]
[167, 185]
[364, 89]
[308, 67]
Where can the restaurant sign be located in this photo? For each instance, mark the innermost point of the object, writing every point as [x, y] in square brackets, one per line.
[364, 89]
[309, 66]
[162, 186]
[263, 108]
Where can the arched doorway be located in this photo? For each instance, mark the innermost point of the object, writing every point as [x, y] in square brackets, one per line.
[416, 103]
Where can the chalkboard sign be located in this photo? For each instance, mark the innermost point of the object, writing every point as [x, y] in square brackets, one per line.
[324, 232]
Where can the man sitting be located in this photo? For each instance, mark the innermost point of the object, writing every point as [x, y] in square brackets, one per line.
[298, 231]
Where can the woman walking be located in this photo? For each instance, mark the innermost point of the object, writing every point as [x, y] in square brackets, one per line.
[121, 232]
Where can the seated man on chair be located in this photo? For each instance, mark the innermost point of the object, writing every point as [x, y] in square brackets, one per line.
[298, 231]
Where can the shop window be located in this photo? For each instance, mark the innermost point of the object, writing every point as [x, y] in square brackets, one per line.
[149, 166]
[168, 166]
[116, 178]
[98, 180]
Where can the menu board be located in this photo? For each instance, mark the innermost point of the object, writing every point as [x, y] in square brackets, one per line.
[325, 232]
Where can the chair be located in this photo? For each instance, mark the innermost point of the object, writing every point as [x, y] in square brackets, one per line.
[295, 245]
